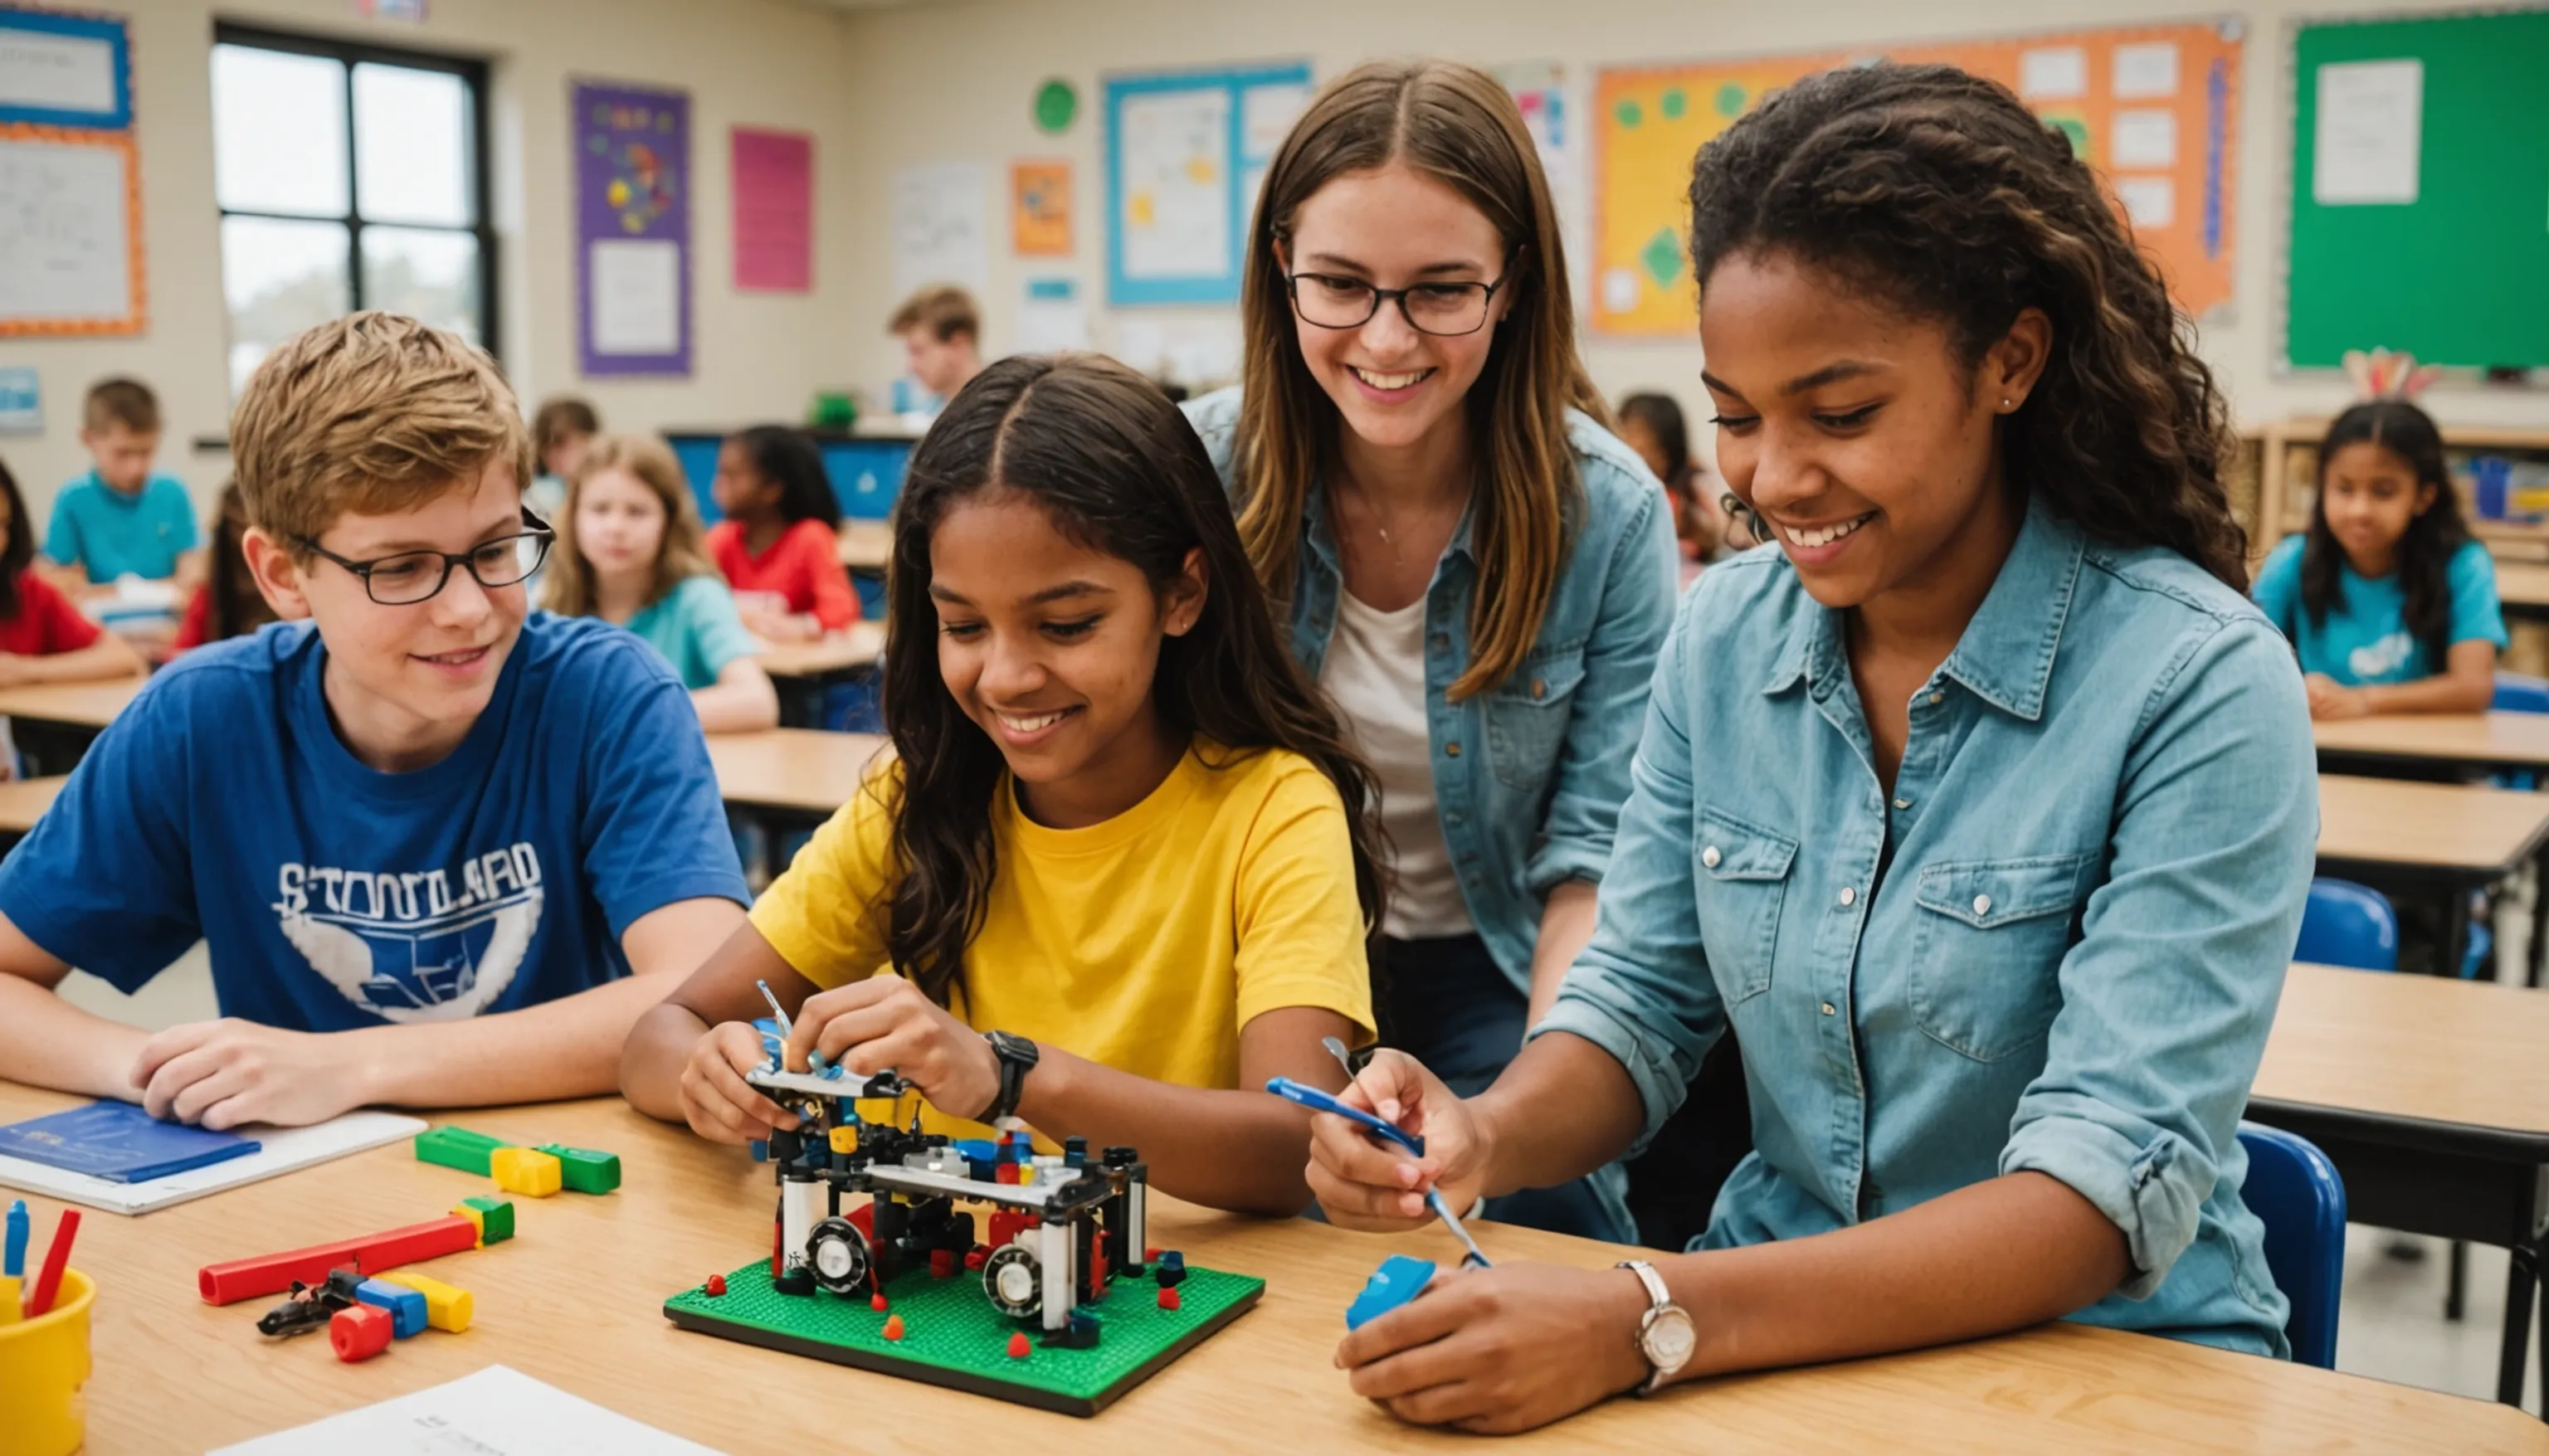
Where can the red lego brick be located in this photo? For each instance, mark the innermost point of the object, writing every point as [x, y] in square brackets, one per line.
[1008, 1224]
[1018, 1345]
[893, 1326]
[359, 1332]
[267, 1274]
[875, 1301]
[1168, 1299]
[942, 1263]
[716, 1285]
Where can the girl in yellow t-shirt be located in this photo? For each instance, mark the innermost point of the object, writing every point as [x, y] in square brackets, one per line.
[1117, 865]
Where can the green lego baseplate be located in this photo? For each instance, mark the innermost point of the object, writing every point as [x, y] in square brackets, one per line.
[953, 1336]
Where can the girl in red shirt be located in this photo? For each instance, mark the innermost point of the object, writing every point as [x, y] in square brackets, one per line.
[777, 545]
[228, 603]
[44, 638]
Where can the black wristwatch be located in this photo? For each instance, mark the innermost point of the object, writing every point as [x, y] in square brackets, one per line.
[1017, 1057]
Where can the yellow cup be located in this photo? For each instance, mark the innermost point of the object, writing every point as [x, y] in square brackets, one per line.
[44, 1362]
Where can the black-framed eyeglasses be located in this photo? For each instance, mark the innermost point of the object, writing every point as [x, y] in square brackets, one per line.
[1443, 310]
[412, 576]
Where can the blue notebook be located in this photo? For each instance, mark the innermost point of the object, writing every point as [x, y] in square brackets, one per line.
[120, 1142]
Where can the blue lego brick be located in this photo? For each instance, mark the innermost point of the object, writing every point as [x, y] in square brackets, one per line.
[406, 1306]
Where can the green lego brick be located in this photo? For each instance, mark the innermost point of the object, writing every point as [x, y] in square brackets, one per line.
[584, 1170]
[494, 1218]
[458, 1147]
[952, 1336]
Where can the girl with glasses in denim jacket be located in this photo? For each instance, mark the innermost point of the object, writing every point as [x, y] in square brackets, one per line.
[1476, 570]
[1982, 812]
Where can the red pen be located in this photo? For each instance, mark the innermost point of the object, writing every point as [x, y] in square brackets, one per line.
[50, 1282]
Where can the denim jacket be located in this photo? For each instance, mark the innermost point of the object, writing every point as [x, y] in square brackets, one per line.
[1555, 737]
[2058, 947]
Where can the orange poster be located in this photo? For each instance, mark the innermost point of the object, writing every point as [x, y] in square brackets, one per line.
[1040, 209]
[2154, 109]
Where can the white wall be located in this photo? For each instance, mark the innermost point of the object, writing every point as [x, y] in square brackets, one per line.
[744, 61]
[951, 81]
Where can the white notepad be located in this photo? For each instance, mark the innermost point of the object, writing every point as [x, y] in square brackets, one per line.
[498, 1411]
[283, 1149]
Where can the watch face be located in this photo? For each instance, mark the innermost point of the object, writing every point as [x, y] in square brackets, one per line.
[1668, 1339]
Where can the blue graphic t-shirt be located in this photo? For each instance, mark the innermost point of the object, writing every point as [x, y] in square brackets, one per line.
[221, 805]
[2365, 639]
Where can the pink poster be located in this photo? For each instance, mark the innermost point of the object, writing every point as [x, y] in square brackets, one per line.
[774, 211]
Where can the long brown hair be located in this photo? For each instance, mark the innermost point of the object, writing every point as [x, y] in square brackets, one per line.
[1457, 125]
[1941, 194]
[234, 606]
[1113, 463]
[569, 586]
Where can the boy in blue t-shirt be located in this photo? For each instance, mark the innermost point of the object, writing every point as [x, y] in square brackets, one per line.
[120, 519]
[443, 851]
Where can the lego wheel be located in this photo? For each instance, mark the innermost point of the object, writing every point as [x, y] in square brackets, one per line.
[1013, 1281]
[838, 1254]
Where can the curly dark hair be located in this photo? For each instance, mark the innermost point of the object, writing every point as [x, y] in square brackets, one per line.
[790, 459]
[1116, 467]
[1937, 193]
[2434, 534]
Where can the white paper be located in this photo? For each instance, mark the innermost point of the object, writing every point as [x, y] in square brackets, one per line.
[2149, 202]
[1051, 318]
[283, 1149]
[1200, 353]
[2145, 71]
[65, 249]
[44, 72]
[637, 286]
[2144, 139]
[942, 227]
[2371, 127]
[1265, 117]
[2053, 73]
[498, 1411]
[1175, 218]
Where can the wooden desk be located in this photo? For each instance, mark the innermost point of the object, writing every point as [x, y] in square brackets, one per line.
[2431, 1095]
[804, 671]
[866, 545]
[23, 801]
[575, 1300]
[2452, 837]
[55, 722]
[790, 778]
[2495, 742]
[2524, 588]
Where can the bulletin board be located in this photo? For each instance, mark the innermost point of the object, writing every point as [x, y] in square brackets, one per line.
[2420, 201]
[1186, 156]
[70, 186]
[2153, 108]
[632, 229]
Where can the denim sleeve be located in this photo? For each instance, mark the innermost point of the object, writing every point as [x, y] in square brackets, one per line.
[2477, 615]
[2168, 997]
[653, 830]
[1641, 990]
[1592, 779]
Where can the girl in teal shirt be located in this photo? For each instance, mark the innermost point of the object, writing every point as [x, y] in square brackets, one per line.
[2389, 604]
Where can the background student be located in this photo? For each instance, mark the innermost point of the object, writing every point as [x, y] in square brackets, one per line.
[629, 552]
[1653, 425]
[44, 638]
[778, 545]
[228, 603]
[1982, 811]
[1474, 570]
[426, 839]
[1085, 688]
[120, 519]
[2388, 603]
[941, 332]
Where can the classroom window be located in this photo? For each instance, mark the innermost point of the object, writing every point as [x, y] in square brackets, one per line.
[348, 176]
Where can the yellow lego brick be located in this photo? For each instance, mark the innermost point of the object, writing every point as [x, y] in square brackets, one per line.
[474, 1216]
[527, 1172]
[845, 1139]
[445, 1308]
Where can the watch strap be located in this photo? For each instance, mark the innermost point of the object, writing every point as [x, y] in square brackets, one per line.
[1659, 1299]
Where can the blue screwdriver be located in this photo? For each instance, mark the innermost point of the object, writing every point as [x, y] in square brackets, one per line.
[1381, 1128]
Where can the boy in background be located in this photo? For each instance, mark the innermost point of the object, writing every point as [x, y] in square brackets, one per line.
[443, 854]
[941, 334]
[120, 519]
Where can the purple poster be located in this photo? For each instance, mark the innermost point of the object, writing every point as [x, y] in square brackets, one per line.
[632, 229]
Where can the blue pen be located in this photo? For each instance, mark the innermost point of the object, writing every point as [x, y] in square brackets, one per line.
[13, 1264]
[1318, 1101]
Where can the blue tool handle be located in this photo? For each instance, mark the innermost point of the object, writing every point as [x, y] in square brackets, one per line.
[1318, 1101]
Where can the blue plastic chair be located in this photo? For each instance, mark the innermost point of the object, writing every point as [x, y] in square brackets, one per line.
[2295, 1191]
[2350, 925]
[2517, 694]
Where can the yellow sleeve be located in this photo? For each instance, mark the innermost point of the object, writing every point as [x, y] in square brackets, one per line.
[1300, 927]
[826, 916]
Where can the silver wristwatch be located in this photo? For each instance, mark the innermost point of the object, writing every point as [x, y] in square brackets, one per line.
[1665, 1334]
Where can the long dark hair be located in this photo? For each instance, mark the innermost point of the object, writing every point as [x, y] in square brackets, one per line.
[1119, 468]
[789, 458]
[1661, 416]
[18, 551]
[1940, 193]
[2433, 534]
[235, 606]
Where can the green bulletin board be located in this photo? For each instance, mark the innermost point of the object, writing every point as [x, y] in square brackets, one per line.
[2459, 275]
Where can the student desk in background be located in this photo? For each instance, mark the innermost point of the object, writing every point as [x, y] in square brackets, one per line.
[804, 671]
[55, 722]
[2523, 588]
[789, 779]
[866, 545]
[23, 801]
[2451, 837]
[2487, 743]
[575, 1299]
[2431, 1095]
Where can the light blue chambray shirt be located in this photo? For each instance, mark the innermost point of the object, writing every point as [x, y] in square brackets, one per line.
[1529, 776]
[2059, 950]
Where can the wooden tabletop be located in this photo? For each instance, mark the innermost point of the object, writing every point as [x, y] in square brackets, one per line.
[2442, 826]
[23, 801]
[575, 1299]
[865, 545]
[833, 652]
[2469, 1053]
[801, 768]
[2522, 583]
[80, 704]
[2519, 740]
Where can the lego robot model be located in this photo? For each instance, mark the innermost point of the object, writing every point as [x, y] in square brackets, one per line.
[1061, 1226]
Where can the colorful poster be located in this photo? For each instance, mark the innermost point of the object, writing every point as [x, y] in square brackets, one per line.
[2153, 109]
[71, 182]
[1185, 157]
[632, 226]
[774, 211]
[1040, 209]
